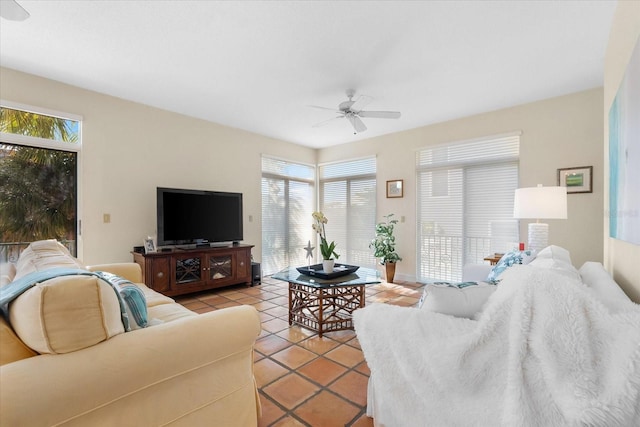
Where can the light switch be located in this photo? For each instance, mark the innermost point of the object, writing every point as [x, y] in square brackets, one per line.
[250, 218]
[402, 218]
[106, 218]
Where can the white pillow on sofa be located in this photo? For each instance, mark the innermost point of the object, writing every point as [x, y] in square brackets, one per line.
[557, 259]
[452, 300]
[555, 253]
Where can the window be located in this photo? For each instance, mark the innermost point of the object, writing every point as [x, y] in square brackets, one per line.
[38, 178]
[348, 200]
[465, 204]
[288, 200]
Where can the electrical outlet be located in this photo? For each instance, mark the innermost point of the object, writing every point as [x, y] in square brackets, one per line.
[106, 218]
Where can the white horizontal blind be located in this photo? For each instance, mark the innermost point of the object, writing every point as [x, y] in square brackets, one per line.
[288, 194]
[465, 204]
[348, 200]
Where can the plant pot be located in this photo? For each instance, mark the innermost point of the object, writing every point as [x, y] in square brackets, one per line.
[327, 265]
[390, 270]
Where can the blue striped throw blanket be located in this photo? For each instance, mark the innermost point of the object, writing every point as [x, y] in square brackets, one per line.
[133, 305]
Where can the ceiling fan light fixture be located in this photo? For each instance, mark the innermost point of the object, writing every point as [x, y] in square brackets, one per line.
[354, 110]
[12, 11]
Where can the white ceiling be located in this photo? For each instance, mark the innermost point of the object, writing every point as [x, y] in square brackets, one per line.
[258, 65]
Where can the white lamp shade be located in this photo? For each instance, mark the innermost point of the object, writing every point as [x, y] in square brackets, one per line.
[540, 203]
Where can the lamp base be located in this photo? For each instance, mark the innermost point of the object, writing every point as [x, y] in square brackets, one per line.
[538, 236]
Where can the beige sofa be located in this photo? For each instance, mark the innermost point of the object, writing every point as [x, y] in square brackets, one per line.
[187, 369]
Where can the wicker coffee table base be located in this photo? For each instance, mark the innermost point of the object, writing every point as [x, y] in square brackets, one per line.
[324, 309]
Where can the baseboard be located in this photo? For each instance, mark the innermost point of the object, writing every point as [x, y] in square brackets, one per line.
[404, 278]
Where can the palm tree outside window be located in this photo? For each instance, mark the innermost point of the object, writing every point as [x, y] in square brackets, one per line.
[38, 179]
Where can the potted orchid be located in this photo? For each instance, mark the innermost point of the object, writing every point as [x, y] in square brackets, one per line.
[326, 249]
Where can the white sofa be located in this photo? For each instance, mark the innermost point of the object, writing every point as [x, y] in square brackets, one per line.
[66, 359]
[551, 345]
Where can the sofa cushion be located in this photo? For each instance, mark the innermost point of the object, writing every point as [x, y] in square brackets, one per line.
[168, 313]
[460, 300]
[11, 347]
[509, 259]
[604, 287]
[127, 270]
[154, 298]
[43, 255]
[66, 314]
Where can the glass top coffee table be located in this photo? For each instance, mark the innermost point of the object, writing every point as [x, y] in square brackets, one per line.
[326, 305]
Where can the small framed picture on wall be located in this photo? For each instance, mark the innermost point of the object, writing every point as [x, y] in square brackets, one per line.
[395, 188]
[577, 180]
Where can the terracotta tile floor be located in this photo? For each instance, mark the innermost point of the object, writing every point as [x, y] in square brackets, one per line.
[305, 380]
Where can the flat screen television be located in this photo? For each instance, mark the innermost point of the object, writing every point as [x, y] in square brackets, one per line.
[200, 217]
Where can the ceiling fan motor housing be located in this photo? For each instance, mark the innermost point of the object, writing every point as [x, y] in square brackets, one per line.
[346, 105]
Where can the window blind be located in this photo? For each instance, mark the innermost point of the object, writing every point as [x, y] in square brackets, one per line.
[348, 200]
[288, 198]
[465, 204]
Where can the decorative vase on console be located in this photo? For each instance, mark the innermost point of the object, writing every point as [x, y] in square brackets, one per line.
[326, 249]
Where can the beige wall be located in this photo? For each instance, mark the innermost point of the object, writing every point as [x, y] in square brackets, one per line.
[556, 133]
[130, 149]
[622, 259]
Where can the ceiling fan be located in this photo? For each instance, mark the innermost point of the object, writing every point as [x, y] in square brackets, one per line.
[11, 10]
[354, 111]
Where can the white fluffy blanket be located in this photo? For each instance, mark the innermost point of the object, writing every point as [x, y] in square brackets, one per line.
[544, 352]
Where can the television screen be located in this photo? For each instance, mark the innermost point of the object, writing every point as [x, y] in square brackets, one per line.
[194, 216]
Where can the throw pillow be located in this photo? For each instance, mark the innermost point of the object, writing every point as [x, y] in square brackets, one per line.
[557, 259]
[132, 301]
[556, 253]
[509, 259]
[456, 299]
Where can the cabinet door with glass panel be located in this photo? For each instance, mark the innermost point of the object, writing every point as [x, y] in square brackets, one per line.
[188, 270]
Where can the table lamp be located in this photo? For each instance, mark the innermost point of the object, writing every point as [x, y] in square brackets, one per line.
[540, 203]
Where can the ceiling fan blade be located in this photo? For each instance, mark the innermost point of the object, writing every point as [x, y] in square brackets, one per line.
[380, 114]
[325, 122]
[11, 10]
[360, 103]
[357, 124]
[324, 108]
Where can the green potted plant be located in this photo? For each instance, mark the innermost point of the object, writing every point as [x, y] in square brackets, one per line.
[385, 246]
